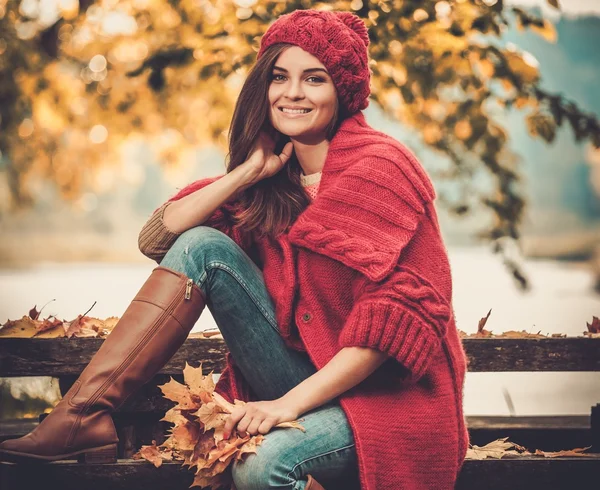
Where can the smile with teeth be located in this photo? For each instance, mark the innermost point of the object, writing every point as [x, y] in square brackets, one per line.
[295, 111]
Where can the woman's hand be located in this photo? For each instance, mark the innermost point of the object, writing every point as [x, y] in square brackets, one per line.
[259, 417]
[263, 162]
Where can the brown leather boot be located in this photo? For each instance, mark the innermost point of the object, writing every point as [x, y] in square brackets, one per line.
[151, 330]
[313, 484]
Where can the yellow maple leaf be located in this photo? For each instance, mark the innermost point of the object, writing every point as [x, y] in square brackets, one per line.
[198, 383]
[179, 393]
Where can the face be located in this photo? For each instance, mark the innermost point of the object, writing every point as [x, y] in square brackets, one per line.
[299, 80]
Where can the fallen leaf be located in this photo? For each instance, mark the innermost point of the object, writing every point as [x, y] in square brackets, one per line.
[199, 384]
[109, 324]
[53, 333]
[480, 330]
[174, 416]
[513, 334]
[567, 452]
[23, 328]
[250, 447]
[154, 454]
[495, 449]
[48, 324]
[33, 313]
[224, 404]
[73, 327]
[210, 417]
[594, 327]
[179, 393]
[184, 436]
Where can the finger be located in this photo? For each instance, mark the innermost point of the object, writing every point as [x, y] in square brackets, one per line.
[286, 153]
[254, 425]
[233, 419]
[244, 423]
[266, 426]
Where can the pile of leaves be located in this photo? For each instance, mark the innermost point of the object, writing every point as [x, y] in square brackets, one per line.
[196, 438]
[31, 325]
[501, 448]
[593, 331]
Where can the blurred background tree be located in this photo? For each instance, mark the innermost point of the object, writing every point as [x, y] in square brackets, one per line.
[78, 78]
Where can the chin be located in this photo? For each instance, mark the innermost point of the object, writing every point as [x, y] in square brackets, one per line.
[300, 132]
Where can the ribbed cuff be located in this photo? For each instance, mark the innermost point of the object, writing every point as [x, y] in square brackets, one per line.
[393, 330]
[155, 239]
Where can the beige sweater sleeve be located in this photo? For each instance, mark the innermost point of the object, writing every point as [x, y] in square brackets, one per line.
[155, 239]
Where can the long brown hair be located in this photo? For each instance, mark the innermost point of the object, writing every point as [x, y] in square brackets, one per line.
[271, 205]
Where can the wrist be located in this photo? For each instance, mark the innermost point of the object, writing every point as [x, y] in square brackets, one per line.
[291, 404]
[245, 176]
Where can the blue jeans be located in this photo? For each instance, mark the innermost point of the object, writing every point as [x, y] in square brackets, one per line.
[243, 310]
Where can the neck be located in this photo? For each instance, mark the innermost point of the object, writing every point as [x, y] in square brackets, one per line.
[311, 156]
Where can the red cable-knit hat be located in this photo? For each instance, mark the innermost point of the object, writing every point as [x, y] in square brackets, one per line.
[339, 40]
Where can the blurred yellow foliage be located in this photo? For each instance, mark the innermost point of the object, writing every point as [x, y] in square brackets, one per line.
[76, 87]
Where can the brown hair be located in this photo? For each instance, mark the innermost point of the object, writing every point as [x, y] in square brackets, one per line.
[271, 205]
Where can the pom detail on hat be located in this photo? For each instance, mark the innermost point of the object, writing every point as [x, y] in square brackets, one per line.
[355, 23]
[339, 40]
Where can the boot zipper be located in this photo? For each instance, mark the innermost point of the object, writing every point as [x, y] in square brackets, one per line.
[188, 289]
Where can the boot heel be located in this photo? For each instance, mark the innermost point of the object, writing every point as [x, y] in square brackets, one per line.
[106, 454]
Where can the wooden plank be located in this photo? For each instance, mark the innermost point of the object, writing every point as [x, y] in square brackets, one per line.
[553, 354]
[548, 433]
[539, 422]
[528, 473]
[525, 473]
[63, 357]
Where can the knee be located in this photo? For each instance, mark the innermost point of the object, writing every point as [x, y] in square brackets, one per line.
[200, 240]
[260, 471]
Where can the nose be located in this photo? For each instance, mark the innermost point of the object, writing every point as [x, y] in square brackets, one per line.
[293, 90]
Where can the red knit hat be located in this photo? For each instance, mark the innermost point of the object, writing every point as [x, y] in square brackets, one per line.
[339, 40]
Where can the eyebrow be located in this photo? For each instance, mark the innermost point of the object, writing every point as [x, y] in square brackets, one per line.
[308, 70]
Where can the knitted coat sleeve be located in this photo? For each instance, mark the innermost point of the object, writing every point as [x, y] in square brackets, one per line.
[403, 316]
[155, 239]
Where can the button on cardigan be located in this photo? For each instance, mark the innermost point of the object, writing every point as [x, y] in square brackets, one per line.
[365, 265]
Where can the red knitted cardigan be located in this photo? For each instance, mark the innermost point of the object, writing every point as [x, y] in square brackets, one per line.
[365, 265]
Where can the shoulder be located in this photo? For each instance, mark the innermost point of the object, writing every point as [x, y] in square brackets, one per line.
[387, 164]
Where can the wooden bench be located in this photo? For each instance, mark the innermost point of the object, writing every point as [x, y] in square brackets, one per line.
[138, 420]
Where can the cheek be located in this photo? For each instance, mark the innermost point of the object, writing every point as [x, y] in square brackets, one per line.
[272, 94]
[327, 100]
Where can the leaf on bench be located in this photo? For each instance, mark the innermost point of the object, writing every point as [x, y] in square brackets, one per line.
[495, 449]
[156, 455]
[501, 448]
[579, 451]
[593, 328]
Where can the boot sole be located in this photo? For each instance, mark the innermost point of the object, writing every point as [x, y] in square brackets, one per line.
[97, 455]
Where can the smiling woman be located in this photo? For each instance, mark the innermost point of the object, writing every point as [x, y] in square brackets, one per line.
[338, 309]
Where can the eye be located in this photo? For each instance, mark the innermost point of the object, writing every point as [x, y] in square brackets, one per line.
[316, 79]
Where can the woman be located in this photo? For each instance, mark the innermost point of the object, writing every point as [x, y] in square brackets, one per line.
[320, 257]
